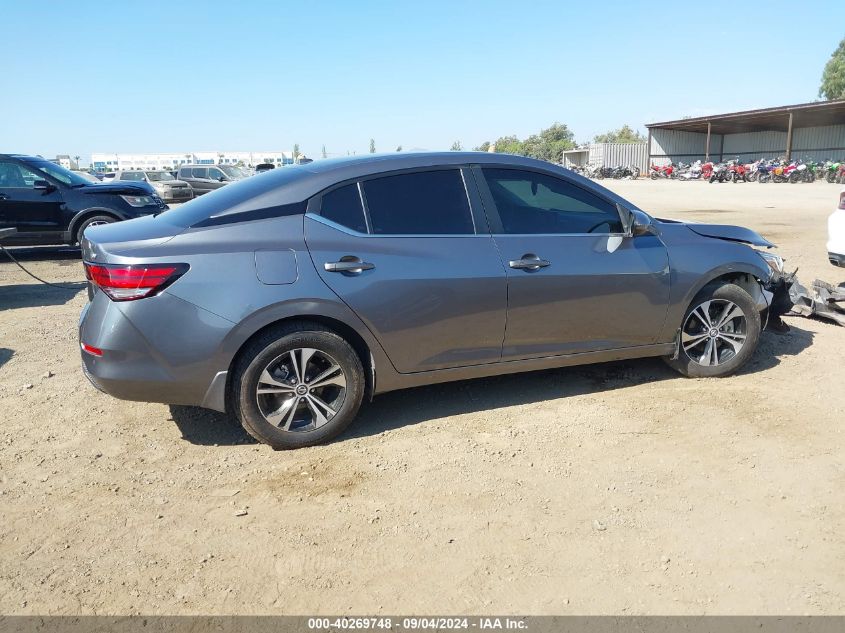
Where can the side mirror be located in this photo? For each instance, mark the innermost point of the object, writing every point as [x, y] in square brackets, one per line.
[42, 185]
[222, 179]
[635, 223]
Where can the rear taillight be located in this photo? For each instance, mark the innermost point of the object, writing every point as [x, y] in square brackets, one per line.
[842, 200]
[127, 283]
[94, 351]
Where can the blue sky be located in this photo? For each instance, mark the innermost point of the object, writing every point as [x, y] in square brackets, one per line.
[152, 76]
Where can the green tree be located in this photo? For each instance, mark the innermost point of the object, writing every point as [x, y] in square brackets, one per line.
[508, 145]
[324, 152]
[550, 143]
[372, 146]
[295, 151]
[456, 147]
[833, 76]
[625, 134]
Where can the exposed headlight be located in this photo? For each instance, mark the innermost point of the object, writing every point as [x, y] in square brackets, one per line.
[140, 201]
[775, 262]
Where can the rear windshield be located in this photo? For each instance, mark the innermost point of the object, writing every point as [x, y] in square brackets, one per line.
[235, 194]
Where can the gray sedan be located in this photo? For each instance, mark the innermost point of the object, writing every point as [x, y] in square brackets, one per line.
[288, 299]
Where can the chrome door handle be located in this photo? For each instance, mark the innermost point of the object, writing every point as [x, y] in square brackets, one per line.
[529, 262]
[348, 264]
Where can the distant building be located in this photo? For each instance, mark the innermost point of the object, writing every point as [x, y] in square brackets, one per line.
[65, 161]
[122, 162]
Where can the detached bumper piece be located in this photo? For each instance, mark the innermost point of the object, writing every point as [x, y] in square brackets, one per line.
[782, 301]
[825, 301]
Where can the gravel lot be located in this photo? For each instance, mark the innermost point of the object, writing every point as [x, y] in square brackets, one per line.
[618, 488]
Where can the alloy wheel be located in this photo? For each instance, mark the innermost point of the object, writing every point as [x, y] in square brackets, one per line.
[301, 390]
[714, 332]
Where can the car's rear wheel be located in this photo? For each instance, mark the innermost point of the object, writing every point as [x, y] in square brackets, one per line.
[92, 221]
[720, 332]
[297, 385]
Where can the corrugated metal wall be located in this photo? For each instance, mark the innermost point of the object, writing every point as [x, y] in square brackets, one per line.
[619, 155]
[810, 143]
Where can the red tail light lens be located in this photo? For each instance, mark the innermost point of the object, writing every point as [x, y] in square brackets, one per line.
[94, 351]
[127, 283]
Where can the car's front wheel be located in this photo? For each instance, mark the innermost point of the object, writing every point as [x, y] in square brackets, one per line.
[719, 334]
[297, 385]
[96, 220]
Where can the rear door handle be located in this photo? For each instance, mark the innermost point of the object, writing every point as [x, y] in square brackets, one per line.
[529, 262]
[348, 264]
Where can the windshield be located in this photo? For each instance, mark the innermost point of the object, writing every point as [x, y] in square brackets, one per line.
[59, 173]
[159, 175]
[231, 171]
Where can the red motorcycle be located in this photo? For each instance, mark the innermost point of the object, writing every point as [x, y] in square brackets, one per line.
[666, 171]
[707, 170]
[737, 171]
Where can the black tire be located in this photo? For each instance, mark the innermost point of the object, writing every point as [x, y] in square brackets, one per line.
[92, 221]
[687, 366]
[275, 343]
[831, 177]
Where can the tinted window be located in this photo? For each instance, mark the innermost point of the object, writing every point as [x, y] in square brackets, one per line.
[422, 203]
[343, 205]
[531, 203]
[200, 172]
[184, 173]
[14, 176]
[131, 175]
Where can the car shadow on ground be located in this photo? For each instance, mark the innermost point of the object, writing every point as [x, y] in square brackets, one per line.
[412, 406]
[5, 355]
[43, 253]
[36, 295]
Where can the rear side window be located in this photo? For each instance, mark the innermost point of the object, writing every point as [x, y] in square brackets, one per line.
[420, 203]
[343, 206]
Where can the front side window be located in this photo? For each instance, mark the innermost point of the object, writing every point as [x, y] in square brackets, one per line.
[215, 174]
[343, 206]
[14, 176]
[419, 203]
[532, 203]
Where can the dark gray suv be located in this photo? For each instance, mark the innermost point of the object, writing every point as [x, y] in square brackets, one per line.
[205, 178]
[288, 299]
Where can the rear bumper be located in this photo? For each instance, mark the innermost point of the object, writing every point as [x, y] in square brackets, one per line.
[143, 359]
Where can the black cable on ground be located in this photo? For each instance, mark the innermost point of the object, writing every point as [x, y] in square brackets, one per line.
[34, 276]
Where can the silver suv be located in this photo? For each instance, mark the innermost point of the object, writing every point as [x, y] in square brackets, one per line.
[166, 186]
[205, 178]
[288, 299]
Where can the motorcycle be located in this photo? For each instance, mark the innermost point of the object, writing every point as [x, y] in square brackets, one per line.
[692, 172]
[664, 171]
[720, 173]
[736, 171]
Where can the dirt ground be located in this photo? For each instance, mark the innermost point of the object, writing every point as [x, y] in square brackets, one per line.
[618, 488]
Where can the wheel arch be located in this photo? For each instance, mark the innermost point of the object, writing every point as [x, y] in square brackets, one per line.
[83, 215]
[363, 348]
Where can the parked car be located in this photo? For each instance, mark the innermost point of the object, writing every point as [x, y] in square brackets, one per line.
[205, 178]
[292, 297]
[49, 204]
[836, 233]
[88, 176]
[260, 169]
[166, 186]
